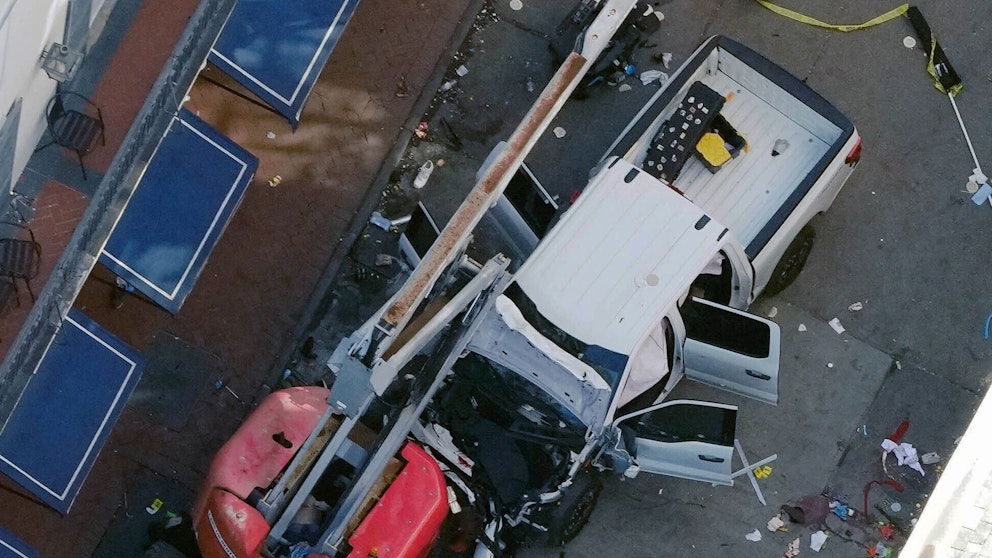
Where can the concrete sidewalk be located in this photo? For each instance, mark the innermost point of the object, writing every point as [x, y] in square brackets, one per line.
[269, 266]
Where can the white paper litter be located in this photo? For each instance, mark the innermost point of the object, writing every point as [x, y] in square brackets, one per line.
[773, 312]
[930, 458]
[753, 536]
[802, 327]
[462, 71]
[775, 523]
[908, 42]
[856, 307]
[624, 87]
[816, 540]
[793, 549]
[516, 5]
[559, 132]
[905, 454]
[648, 76]
[835, 323]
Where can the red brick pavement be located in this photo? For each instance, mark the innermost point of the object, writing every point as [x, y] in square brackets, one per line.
[57, 210]
[267, 265]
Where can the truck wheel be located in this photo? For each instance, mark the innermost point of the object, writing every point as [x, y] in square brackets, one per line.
[792, 261]
[574, 509]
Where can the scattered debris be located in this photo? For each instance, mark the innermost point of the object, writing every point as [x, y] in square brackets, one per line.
[423, 174]
[780, 146]
[792, 550]
[776, 524]
[401, 87]
[270, 135]
[462, 71]
[811, 509]
[156, 505]
[773, 312]
[559, 132]
[856, 307]
[650, 76]
[816, 540]
[753, 536]
[841, 511]
[905, 455]
[909, 42]
[930, 458]
[830, 365]
[666, 59]
[448, 85]
[530, 85]
[802, 327]
[863, 430]
[274, 181]
[835, 324]
[379, 220]
[516, 5]
[763, 472]
[946, 80]
[982, 194]
[624, 87]
[879, 551]
[421, 130]
[886, 531]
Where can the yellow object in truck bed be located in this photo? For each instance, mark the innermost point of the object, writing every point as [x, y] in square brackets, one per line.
[712, 149]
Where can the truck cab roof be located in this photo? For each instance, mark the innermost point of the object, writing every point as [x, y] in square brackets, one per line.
[620, 258]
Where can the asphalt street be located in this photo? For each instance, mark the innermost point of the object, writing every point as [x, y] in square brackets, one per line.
[903, 239]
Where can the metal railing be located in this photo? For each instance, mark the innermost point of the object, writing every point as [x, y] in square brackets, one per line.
[81, 253]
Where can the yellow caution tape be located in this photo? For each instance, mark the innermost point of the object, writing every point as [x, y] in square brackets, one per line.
[955, 89]
[891, 14]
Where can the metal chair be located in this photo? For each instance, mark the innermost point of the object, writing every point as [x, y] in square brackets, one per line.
[74, 123]
[20, 259]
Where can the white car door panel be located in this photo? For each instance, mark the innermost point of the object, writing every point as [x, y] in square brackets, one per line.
[732, 350]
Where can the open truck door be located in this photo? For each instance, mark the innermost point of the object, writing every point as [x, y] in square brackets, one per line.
[731, 349]
[687, 439]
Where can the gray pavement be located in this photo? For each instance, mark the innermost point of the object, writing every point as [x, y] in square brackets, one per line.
[902, 239]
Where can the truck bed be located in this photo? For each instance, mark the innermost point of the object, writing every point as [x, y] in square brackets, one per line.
[749, 191]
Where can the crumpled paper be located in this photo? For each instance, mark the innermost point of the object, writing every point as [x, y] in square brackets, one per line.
[753, 536]
[905, 454]
[816, 540]
[648, 76]
[775, 523]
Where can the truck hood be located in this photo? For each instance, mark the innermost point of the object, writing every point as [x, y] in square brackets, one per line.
[620, 258]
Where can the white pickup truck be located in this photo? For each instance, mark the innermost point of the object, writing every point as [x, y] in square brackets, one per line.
[487, 413]
[798, 151]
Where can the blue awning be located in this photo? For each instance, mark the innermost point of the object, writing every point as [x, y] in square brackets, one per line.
[67, 409]
[277, 49]
[181, 205]
[12, 547]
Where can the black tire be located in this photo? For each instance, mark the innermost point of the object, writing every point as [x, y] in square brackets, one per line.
[792, 262]
[575, 508]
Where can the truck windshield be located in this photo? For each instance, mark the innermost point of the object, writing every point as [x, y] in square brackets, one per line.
[608, 364]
